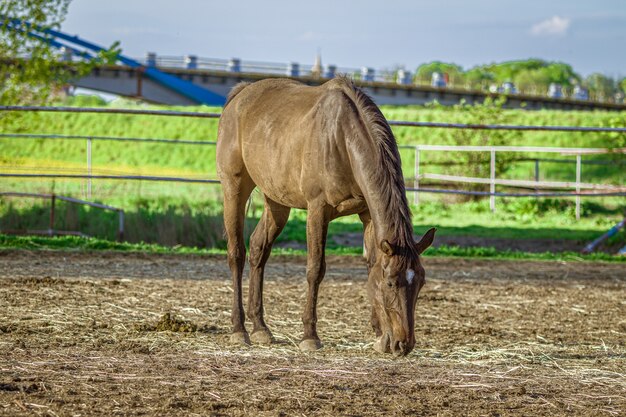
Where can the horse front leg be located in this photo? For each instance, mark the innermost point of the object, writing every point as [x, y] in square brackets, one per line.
[316, 229]
[369, 240]
[369, 253]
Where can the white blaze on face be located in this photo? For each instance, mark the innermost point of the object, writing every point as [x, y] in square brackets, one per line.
[409, 276]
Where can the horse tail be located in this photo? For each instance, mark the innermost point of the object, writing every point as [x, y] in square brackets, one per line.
[236, 90]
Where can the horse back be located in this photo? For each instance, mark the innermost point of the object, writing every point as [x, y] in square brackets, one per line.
[291, 138]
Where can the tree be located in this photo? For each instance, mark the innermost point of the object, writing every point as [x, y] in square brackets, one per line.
[535, 81]
[507, 71]
[29, 80]
[425, 72]
[530, 76]
[478, 78]
[561, 73]
[600, 86]
[30, 69]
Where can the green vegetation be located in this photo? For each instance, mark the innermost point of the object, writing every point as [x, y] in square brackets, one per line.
[42, 76]
[531, 76]
[424, 72]
[162, 159]
[199, 224]
[158, 220]
[33, 80]
[91, 244]
[190, 214]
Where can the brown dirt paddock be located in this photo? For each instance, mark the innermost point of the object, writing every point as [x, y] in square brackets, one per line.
[79, 336]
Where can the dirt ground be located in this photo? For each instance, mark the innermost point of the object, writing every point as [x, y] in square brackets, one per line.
[82, 334]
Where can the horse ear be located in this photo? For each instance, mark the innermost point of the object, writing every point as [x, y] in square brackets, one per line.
[425, 241]
[386, 247]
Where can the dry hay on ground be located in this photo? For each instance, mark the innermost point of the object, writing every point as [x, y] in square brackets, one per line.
[82, 334]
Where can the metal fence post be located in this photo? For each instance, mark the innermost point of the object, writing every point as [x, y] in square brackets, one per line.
[120, 230]
[537, 174]
[578, 172]
[52, 204]
[89, 167]
[416, 180]
[492, 177]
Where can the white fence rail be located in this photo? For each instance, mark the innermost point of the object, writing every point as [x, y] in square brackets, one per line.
[493, 181]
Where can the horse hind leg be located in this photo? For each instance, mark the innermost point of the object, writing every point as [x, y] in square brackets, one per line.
[272, 222]
[237, 189]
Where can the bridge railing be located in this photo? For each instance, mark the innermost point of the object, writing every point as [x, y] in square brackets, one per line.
[399, 76]
[259, 67]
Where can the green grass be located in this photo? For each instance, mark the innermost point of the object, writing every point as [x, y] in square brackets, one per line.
[155, 220]
[72, 243]
[193, 224]
[518, 219]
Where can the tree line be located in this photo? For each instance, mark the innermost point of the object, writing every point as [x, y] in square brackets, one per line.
[531, 76]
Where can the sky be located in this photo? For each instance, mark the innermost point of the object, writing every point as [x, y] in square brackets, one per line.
[589, 35]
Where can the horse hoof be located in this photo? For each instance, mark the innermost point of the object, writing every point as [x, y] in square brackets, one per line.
[262, 337]
[240, 338]
[381, 345]
[310, 345]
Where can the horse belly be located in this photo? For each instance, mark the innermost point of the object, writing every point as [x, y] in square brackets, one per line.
[276, 175]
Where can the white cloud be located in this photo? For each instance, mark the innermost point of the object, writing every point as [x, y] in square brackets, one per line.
[555, 26]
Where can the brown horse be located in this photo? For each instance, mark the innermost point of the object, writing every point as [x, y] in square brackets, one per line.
[328, 150]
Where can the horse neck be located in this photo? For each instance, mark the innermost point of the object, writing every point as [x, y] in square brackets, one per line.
[381, 181]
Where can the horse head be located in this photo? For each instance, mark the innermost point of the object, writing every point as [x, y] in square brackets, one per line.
[394, 283]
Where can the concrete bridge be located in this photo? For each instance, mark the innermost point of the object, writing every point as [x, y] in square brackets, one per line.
[132, 82]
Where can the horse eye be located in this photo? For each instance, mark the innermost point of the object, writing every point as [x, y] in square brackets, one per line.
[389, 284]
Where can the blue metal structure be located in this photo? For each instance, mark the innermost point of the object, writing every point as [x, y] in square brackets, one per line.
[59, 40]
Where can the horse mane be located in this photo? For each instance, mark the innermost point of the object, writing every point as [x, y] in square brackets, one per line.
[390, 180]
